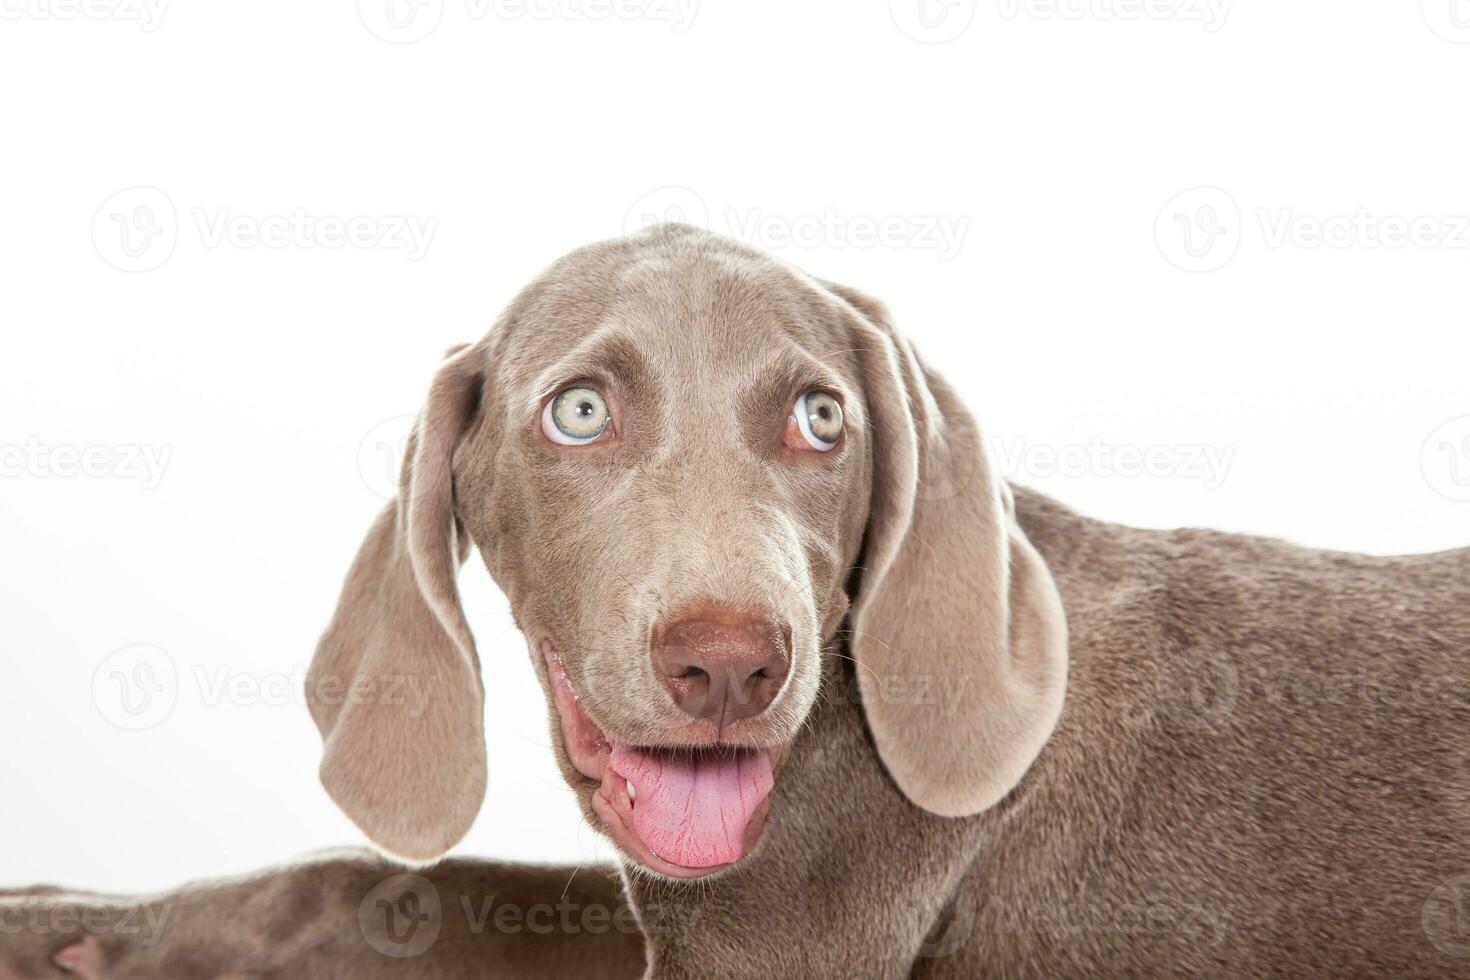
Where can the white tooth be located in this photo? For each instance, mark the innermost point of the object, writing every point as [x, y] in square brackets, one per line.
[632, 792]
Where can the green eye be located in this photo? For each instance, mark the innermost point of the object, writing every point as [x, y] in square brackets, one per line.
[575, 417]
[819, 416]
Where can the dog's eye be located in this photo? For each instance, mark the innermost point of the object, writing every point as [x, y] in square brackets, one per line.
[818, 420]
[575, 417]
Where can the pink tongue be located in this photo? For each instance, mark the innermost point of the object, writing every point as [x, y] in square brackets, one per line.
[692, 808]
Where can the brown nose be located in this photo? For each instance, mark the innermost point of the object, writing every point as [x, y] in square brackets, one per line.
[722, 666]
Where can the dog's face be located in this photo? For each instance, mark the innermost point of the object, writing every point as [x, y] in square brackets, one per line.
[672, 452]
[672, 494]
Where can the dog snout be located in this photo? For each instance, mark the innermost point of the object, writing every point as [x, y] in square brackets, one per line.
[722, 665]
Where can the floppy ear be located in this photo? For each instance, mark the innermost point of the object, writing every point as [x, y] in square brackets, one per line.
[958, 629]
[395, 685]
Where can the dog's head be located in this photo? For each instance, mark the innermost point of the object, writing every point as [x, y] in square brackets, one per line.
[688, 466]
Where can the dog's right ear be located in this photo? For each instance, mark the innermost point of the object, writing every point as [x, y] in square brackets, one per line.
[395, 684]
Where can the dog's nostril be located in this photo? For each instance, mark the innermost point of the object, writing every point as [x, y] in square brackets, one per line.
[694, 673]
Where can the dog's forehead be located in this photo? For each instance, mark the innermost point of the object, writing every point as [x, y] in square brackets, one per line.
[690, 298]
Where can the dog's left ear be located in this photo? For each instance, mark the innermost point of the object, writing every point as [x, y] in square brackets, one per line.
[958, 629]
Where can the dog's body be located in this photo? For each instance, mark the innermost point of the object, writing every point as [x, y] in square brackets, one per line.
[1207, 806]
[1260, 769]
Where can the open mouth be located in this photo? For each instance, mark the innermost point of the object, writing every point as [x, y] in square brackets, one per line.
[685, 811]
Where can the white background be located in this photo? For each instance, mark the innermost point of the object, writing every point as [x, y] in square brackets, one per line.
[271, 375]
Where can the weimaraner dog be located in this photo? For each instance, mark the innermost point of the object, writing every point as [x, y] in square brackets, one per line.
[847, 704]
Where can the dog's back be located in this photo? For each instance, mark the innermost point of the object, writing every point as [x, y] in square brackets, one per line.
[1262, 762]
